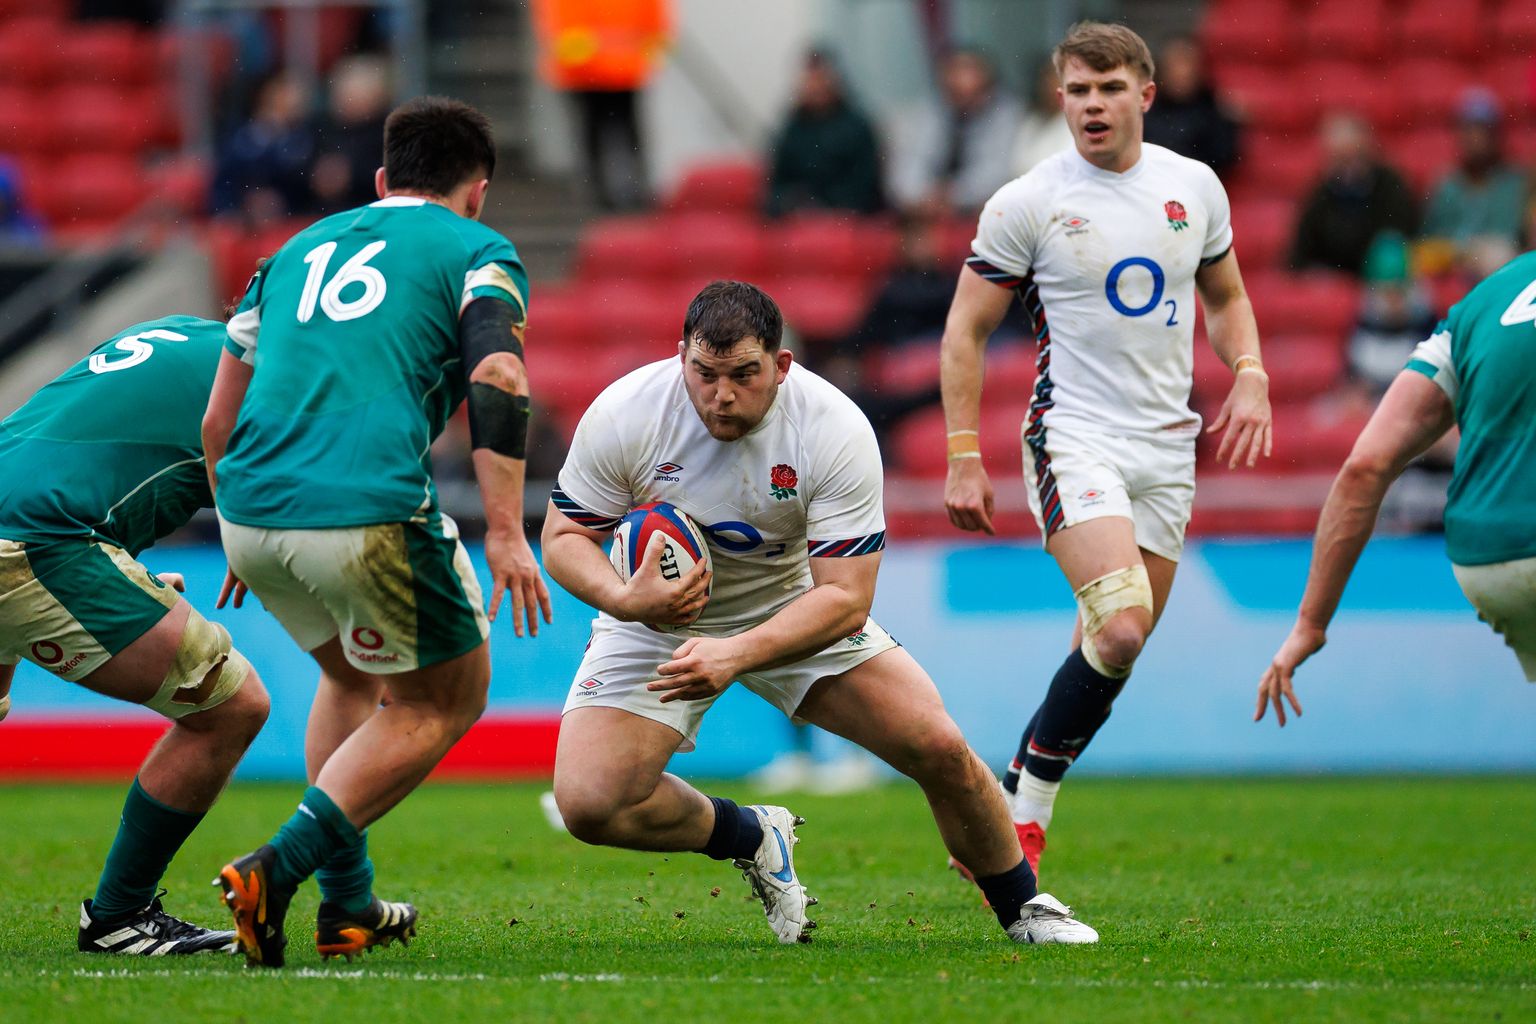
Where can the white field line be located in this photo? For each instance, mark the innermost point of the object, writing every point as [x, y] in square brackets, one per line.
[561, 977]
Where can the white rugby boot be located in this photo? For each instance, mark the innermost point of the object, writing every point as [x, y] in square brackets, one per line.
[771, 873]
[1046, 919]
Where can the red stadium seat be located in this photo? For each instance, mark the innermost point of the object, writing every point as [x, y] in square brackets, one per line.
[29, 51]
[1434, 29]
[1349, 85]
[559, 317]
[1513, 79]
[95, 187]
[1302, 366]
[1278, 166]
[1310, 436]
[734, 186]
[1513, 28]
[567, 381]
[630, 316]
[99, 117]
[626, 247]
[1315, 302]
[716, 245]
[1262, 232]
[1430, 89]
[1266, 97]
[1424, 156]
[817, 307]
[903, 369]
[821, 243]
[180, 185]
[1357, 30]
[23, 122]
[1261, 30]
[110, 53]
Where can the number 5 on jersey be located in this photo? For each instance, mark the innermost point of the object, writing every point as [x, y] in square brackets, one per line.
[355, 271]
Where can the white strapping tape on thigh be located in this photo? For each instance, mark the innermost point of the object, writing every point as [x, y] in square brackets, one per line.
[205, 647]
[1102, 599]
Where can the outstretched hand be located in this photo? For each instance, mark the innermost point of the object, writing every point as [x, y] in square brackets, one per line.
[1248, 421]
[1275, 687]
[233, 585]
[968, 496]
[515, 571]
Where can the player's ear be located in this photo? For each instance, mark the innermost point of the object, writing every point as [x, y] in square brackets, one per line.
[782, 359]
[1148, 91]
[380, 183]
[474, 201]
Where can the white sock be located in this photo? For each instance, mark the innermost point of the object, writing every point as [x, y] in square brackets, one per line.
[1034, 800]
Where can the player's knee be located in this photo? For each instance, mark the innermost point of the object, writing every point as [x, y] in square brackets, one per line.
[589, 813]
[938, 752]
[1119, 642]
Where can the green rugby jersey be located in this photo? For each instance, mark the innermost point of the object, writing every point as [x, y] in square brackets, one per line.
[113, 449]
[1483, 355]
[351, 329]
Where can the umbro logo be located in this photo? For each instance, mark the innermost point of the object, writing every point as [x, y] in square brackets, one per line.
[1075, 222]
[667, 471]
[589, 684]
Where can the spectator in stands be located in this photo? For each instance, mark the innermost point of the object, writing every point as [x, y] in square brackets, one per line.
[1475, 215]
[954, 155]
[1395, 315]
[18, 225]
[1186, 115]
[826, 156]
[263, 169]
[602, 55]
[347, 149]
[909, 306]
[1357, 197]
[1043, 129]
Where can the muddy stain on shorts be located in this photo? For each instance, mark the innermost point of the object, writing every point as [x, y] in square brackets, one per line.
[382, 576]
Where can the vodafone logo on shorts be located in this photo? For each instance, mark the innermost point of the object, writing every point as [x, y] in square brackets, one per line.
[46, 652]
[366, 642]
[51, 656]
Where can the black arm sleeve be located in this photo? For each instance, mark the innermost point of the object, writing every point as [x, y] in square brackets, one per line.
[497, 420]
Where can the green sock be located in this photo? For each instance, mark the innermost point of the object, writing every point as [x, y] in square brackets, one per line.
[347, 878]
[147, 838]
[311, 837]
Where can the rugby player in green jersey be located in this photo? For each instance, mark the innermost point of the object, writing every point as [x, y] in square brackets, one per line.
[1477, 372]
[99, 465]
[352, 346]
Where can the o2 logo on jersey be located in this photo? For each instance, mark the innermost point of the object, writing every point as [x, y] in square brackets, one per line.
[740, 538]
[1159, 279]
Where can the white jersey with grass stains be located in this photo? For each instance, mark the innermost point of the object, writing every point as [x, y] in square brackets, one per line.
[804, 483]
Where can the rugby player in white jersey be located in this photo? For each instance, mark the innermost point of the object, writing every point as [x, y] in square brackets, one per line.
[782, 472]
[1107, 245]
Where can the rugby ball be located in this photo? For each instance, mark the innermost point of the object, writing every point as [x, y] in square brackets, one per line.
[685, 545]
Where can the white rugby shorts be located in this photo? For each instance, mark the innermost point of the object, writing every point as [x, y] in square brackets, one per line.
[622, 657]
[1076, 474]
[1504, 595]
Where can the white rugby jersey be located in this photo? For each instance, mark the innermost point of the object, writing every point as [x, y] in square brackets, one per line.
[805, 483]
[1106, 265]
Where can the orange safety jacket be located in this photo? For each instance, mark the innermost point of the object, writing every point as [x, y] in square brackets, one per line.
[600, 45]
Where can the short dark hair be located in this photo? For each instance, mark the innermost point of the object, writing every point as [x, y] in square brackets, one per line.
[725, 312]
[1103, 47]
[433, 145]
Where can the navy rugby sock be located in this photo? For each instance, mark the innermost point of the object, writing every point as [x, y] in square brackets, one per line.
[737, 833]
[1077, 703]
[347, 878]
[311, 837]
[148, 836]
[1008, 892]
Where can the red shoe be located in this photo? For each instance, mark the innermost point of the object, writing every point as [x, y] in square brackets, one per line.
[1032, 842]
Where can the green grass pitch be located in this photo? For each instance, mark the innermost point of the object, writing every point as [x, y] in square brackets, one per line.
[1237, 900]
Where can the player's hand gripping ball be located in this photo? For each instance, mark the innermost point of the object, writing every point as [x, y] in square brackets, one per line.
[684, 542]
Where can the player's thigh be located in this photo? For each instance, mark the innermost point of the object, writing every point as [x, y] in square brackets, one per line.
[1504, 595]
[608, 758]
[71, 606]
[620, 659]
[1094, 548]
[888, 705]
[1162, 495]
[401, 596]
[1072, 479]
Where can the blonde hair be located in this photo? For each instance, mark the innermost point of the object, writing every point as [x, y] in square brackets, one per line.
[1104, 47]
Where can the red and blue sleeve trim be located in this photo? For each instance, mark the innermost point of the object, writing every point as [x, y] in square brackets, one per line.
[846, 548]
[580, 516]
[997, 275]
